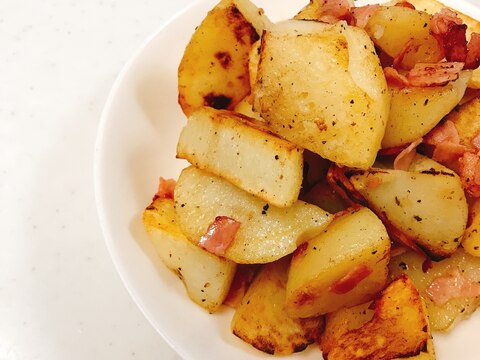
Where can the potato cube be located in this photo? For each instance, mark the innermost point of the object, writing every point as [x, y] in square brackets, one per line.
[345, 265]
[244, 152]
[327, 93]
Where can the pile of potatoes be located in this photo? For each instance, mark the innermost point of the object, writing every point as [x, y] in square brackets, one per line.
[335, 246]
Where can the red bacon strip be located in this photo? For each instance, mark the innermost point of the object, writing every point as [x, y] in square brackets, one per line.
[220, 235]
[469, 172]
[363, 13]
[394, 78]
[472, 61]
[452, 285]
[166, 188]
[335, 10]
[405, 158]
[351, 279]
[440, 74]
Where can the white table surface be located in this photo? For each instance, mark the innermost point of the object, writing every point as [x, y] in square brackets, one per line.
[60, 296]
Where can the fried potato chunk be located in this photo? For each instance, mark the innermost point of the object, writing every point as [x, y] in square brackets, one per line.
[261, 319]
[207, 277]
[266, 233]
[321, 87]
[245, 152]
[214, 68]
[398, 328]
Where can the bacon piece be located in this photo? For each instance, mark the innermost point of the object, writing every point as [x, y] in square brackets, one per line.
[220, 235]
[350, 280]
[240, 284]
[452, 285]
[394, 78]
[334, 10]
[441, 133]
[448, 153]
[405, 4]
[405, 158]
[166, 188]
[450, 33]
[472, 61]
[397, 61]
[434, 74]
[363, 13]
[469, 172]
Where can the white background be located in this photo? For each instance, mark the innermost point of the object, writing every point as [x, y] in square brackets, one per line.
[60, 297]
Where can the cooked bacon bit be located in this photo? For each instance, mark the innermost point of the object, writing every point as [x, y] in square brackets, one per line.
[391, 151]
[220, 235]
[448, 152]
[394, 78]
[469, 172]
[363, 13]
[166, 188]
[452, 285]
[434, 74]
[335, 10]
[397, 61]
[405, 158]
[241, 281]
[351, 279]
[472, 61]
[405, 4]
[450, 33]
[441, 133]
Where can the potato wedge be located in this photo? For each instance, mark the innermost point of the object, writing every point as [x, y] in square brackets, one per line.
[261, 319]
[214, 67]
[427, 203]
[244, 152]
[442, 317]
[396, 328]
[471, 236]
[391, 27]
[327, 93]
[345, 265]
[266, 233]
[207, 277]
[415, 111]
[245, 107]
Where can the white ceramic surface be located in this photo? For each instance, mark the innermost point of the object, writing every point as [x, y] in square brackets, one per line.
[136, 145]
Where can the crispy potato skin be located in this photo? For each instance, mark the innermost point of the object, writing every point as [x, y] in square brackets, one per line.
[261, 320]
[398, 329]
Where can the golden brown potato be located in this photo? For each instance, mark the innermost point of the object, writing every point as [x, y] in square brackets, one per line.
[244, 152]
[207, 277]
[261, 319]
[214, 68]
[426, 203]
[415, 111]
[391, 27]
[398, 328]
[266, 233]
[345, 265]
[441, 317]
[327, 93]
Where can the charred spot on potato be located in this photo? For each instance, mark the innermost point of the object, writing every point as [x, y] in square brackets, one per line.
[217, 101]
[243, 30]
[223, 58]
